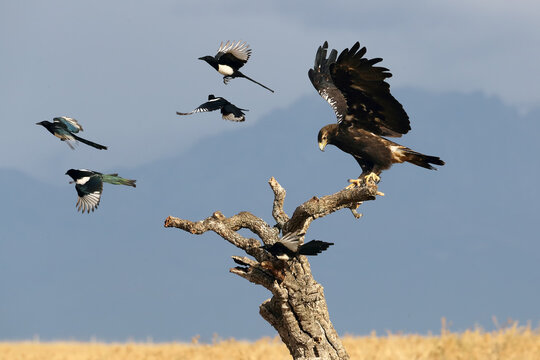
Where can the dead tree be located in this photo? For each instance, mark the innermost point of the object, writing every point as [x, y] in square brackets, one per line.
[297, 309]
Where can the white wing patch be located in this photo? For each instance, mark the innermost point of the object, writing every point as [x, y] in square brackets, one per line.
[82, 180]
[291, 241]
[197, 110]
[88, 202]
[240, 50]
[73, 122]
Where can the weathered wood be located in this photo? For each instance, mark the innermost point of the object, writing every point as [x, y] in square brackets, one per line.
[297, 309]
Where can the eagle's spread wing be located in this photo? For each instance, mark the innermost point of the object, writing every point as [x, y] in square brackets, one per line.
[89, 194]
[232, 113]
[71, 124]
[370, 105]
[322, 81]
[213, 103]
[358, 92]
[233, 54]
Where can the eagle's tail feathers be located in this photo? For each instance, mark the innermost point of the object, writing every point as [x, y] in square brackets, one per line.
[314, 247]
[422, 160]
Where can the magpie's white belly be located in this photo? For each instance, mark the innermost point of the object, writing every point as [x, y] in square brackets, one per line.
[225, 70]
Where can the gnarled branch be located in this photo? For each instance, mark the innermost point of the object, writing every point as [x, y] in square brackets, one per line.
[297, 309]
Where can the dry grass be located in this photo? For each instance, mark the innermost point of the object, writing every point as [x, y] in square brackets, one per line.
[510, 343]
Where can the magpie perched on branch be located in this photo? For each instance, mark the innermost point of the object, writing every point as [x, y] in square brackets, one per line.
[65, 128]
[228, 110]
[89, 186]
[289, 247]
[230, 57]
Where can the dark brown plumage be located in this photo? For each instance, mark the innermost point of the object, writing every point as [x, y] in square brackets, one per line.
[365, 109]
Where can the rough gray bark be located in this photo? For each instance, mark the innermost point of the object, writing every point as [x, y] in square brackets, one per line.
[297, 309]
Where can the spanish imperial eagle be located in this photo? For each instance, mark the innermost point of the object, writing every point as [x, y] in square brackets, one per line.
[366, 111]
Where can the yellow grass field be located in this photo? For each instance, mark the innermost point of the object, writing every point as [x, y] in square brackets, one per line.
[519, 343]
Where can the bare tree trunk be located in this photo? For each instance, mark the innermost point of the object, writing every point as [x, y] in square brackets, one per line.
[297, 309]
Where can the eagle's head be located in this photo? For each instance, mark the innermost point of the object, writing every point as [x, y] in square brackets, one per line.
[325, 135]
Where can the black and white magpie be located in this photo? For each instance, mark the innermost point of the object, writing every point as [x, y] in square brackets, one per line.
[228, 110]
[289, 247]
[89, 186]
[65, 128]
[230, 57]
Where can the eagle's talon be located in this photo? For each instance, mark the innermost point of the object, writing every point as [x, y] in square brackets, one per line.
[379, 193]
[354, 183]
[372, 177]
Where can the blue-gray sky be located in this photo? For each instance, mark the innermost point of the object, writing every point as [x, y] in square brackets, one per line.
[123, 69]
[120, 66]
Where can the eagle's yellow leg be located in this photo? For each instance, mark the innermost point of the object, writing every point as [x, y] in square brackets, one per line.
[369, 177]
[372, 177]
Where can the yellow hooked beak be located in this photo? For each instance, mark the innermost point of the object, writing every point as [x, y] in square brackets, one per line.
[322, 144]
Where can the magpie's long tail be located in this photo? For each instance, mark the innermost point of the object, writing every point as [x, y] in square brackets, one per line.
[239, 74]
[314, 247]
[88, 142]
[117, 180]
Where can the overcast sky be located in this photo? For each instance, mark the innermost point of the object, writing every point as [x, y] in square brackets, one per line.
[123, 68]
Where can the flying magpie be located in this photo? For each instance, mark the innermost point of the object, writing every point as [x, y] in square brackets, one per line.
[228, 110]
[65, 128]
[289, 247]
[89, 186]
[230, 57]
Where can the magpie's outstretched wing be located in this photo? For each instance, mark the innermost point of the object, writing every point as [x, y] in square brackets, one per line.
[213, 103]
[71, 124]
[232, 113]
[233, 54]
[89, 194]
[370, 105]
[291, 240]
